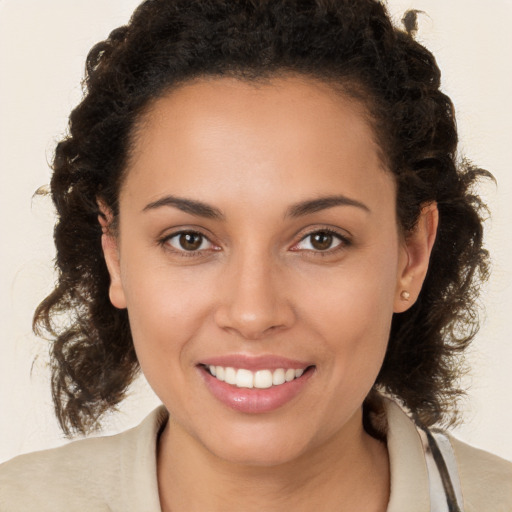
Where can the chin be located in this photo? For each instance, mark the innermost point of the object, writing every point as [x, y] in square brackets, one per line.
[262, 444]
[260, 455]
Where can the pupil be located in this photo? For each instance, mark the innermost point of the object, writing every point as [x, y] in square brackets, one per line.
[190, 241]
[321, 241]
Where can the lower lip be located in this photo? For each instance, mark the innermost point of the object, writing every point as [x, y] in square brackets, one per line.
[254, 400]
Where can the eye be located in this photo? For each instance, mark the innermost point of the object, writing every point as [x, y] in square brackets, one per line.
[323, 240]
[189, 241]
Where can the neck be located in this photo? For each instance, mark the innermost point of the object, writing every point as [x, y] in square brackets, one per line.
[349, 472]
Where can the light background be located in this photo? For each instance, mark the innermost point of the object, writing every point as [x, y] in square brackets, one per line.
[42, 51]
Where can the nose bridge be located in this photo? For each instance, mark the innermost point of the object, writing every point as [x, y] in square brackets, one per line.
[253, 300]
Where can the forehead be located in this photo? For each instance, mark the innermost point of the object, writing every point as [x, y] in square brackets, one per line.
[290, 131]
[288, 99]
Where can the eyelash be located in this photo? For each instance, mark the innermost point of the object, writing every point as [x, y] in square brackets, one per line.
[165, 243]
[344, 242]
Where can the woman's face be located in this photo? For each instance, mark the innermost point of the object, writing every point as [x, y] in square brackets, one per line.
[258, 236]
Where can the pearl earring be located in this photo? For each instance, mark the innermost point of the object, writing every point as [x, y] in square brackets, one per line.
[405, 295]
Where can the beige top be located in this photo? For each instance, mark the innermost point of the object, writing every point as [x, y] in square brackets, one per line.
[118, 473]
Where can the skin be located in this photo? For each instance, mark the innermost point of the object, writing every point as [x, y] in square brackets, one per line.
[257, 286]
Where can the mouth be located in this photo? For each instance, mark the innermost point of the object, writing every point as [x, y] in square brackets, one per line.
[260, 379]
[260, 390]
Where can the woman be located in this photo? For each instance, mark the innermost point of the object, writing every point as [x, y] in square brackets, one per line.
[259, 207]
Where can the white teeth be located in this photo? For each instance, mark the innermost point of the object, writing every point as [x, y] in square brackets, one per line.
[261, 379]
[278, 377]
[219, 372]
[244, 379]
[289, 375]
[230, 376]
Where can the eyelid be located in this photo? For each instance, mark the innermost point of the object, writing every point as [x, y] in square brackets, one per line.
[164, 241]
[343, 237]
[177, 236]
[345, 240]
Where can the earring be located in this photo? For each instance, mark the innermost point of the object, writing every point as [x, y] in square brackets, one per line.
[405, 295]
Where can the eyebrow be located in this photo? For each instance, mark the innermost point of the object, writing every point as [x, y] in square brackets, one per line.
[191, 206]
[322, 203]
[201, 209]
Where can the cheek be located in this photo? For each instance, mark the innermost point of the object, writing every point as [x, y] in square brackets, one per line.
[351, 308]
[167, 308]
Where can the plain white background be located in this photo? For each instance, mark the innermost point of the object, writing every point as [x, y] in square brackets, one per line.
[42, 51]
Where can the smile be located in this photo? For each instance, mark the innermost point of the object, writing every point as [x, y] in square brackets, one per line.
[270, 383]
[260, 379]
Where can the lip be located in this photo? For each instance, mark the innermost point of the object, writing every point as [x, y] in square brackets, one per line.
[254, 363]
[255, 401]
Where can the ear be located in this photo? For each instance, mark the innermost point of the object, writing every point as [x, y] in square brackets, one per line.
[415, 257]
[110, 246]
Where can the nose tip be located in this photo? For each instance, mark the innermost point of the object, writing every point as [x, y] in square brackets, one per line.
[252, 325]
[254, 304]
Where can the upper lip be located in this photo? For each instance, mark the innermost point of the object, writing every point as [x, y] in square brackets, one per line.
[254, 363]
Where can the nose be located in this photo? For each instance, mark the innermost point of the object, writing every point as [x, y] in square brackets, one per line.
[253, 298]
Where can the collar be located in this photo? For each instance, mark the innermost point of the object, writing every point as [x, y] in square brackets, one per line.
[408, 468]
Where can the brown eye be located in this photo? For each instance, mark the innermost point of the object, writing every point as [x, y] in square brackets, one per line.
[321, 241]
[189, 241]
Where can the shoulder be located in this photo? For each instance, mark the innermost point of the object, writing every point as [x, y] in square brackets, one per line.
[482, 481]
[485, 478]
[91, 474]
[60, 477]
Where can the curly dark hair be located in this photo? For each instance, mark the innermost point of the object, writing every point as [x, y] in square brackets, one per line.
[350, 44]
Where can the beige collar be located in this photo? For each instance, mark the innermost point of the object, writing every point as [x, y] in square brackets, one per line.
[409, 475]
